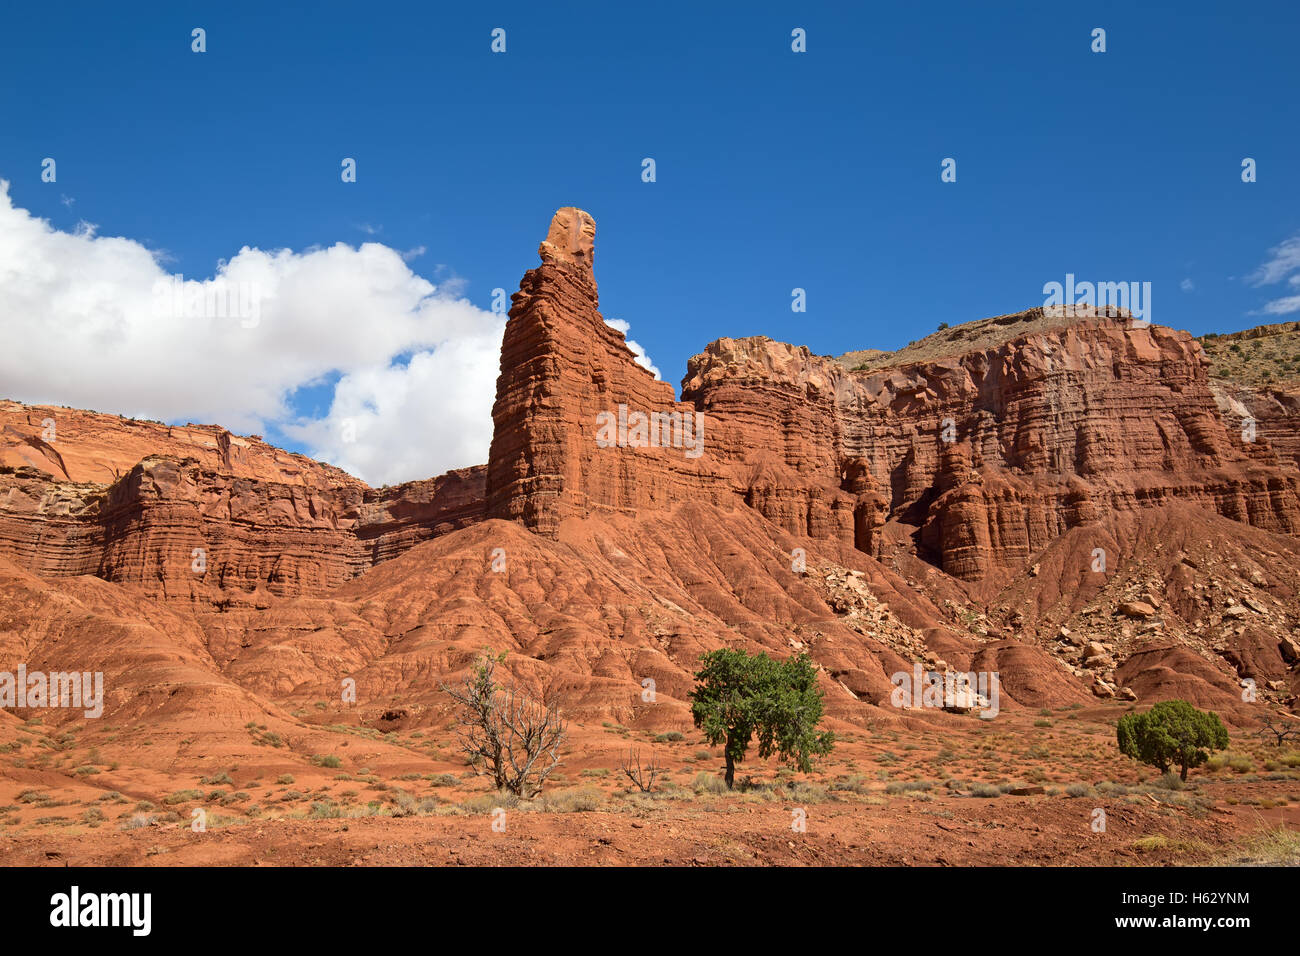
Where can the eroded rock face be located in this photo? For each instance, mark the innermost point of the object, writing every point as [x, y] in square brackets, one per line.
[581, 429]
[988, 454]
[218, 513]
[994, 453]
[571, 239]
[70, 444]
[1265, 418]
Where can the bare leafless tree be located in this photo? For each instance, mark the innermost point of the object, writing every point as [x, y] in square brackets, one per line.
[1280, 731]
[643, 777]
[509, 736]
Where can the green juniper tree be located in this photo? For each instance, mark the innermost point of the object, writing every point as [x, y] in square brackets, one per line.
[739, 695]
[1173, 732]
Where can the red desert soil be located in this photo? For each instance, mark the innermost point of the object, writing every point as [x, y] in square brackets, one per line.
[945, 796]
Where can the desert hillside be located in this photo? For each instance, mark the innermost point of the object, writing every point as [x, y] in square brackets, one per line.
[1264, 355]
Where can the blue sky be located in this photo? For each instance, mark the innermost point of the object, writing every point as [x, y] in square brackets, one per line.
[775, 170]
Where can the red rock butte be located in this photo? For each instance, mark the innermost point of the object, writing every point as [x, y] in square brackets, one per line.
[1069, 501]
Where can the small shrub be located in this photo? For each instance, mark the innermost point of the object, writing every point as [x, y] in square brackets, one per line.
[853, 784]
[404, 805]
[1170, 781]
[325, 810]
[574, 800]
[93, 817]
[708, 783]
[907, 786]
[1150, 843]
[487, 802]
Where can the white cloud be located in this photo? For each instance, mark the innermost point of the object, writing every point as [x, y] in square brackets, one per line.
[1284, 306]
[88, 322]
[437, 408]
[1187, 285]
[641, 358]
[1284, 259]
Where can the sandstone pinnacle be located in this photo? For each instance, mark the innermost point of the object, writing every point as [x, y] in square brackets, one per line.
[571, 238]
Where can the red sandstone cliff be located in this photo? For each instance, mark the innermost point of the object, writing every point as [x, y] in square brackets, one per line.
[1024, 429]
[995, 451]
[75, 499]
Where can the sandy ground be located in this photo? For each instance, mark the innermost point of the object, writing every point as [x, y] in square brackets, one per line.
[941, 797]
[1031, 831]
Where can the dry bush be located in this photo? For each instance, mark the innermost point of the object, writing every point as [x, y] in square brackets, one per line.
[642, 776]
[506, 734]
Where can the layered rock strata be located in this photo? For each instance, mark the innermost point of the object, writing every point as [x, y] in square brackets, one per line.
[581, 428]
[195, 527]
[992, 454]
